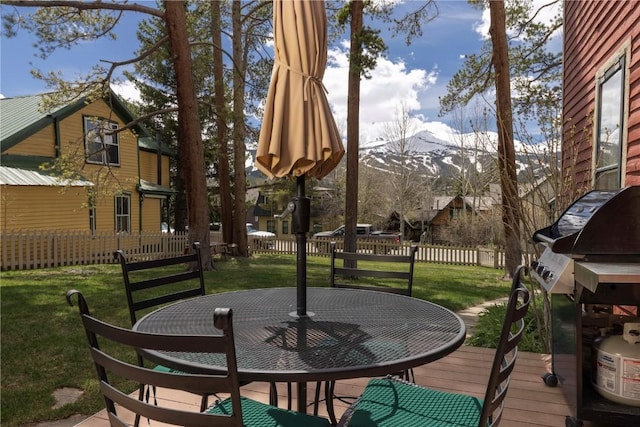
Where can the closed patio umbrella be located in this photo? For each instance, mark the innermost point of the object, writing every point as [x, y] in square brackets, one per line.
[299, 137]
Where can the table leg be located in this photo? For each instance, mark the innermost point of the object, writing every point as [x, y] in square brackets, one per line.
[302, 398]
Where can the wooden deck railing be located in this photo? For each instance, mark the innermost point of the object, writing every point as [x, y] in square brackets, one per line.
[27, 250]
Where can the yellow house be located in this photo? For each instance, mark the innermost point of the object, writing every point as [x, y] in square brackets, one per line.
[78, 168]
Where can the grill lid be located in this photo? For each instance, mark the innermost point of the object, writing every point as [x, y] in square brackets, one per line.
[598, 223]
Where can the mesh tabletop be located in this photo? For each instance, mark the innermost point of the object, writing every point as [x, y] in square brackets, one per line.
[348, 333]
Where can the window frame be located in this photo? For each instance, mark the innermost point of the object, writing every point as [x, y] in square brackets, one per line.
[618, 63]
[92, 212]
[92, 220]
[106, 144]
[119, 216]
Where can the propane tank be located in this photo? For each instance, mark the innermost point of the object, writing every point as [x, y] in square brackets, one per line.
[617, 374]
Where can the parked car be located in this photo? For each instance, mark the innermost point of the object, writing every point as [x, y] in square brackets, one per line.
[165, 228]
[265, 239]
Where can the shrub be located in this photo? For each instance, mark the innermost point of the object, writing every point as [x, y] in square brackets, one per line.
[489, 326]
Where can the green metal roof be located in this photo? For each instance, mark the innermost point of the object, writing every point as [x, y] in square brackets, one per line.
[27, 177]
[21, 117]
[151, 144]
[146, 187]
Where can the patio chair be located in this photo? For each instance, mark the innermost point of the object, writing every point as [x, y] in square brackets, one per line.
[398, 268]
[394, 402]
[148, 287]
[232, 411]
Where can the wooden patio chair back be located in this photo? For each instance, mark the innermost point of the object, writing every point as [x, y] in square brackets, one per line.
[398, 402]
[506, 352]
[397, 267]
[161, 287]
[152, 283]
[109, 367]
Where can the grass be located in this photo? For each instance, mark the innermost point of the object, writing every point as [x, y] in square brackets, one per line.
[44, 347]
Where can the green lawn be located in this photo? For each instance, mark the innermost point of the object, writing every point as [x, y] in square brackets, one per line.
[44, 347]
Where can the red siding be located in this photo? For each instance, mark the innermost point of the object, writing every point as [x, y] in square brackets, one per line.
[593, 32]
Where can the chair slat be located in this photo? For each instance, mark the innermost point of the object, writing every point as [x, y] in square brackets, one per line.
[396, 267]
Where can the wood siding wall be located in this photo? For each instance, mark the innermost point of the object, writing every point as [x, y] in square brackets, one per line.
[593, 32]
[148, 168]
[42, 143]
[57, 208]
[151, 214]
[43, 208]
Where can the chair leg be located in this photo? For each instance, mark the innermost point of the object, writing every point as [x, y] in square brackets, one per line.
[329, 389]
[204, 403]
[316, 398]
[409, 375]
[136, 423]
[273, 394]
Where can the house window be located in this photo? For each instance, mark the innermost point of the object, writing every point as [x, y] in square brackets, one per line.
[285, 227]
[271, 225]
[123, 213]
[92, 220]
[611, 94]
[101, 143]
[92, 211]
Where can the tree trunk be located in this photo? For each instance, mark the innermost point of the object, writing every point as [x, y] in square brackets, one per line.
[239, 149]
[226, 202]
[353, 130]
[190, 148]
[506, 151]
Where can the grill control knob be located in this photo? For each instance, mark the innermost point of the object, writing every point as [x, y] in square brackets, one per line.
[534, 264]
[540, 268]
[546, 275]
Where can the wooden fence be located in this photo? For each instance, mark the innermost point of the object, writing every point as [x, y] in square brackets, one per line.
[23, 250]
[27, 250]
[441, 254]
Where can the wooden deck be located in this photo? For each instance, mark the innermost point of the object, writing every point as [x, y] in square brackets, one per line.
[529, 401]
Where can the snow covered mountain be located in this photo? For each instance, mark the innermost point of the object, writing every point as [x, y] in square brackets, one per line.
[436, 151]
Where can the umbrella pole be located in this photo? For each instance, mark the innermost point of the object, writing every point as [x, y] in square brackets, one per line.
[301, 218]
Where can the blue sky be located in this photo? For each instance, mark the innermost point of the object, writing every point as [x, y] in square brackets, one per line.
[413, 76]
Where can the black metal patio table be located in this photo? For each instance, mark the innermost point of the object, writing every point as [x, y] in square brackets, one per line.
[346, 334]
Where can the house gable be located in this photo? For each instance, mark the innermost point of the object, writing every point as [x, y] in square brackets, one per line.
[31, 138]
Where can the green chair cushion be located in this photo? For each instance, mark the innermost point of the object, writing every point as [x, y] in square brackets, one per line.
[161, 368]
[390, 403]
[256, 414]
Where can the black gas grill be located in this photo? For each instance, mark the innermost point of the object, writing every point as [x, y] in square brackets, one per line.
[591, 268]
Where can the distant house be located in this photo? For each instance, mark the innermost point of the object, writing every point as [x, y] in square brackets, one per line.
[412, 230]
[262, 214]
[445, 209]
[601, 102]
[116, 181]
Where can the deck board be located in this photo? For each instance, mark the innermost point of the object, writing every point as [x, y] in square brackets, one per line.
[529, 403]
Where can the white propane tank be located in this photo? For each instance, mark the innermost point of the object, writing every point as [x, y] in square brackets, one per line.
[617, 375]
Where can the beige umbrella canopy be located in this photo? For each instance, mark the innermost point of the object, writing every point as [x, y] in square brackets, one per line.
[299, 136]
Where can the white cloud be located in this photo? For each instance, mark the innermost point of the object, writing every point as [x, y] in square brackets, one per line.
[391, 85]
[545, 12]
[127, 90]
